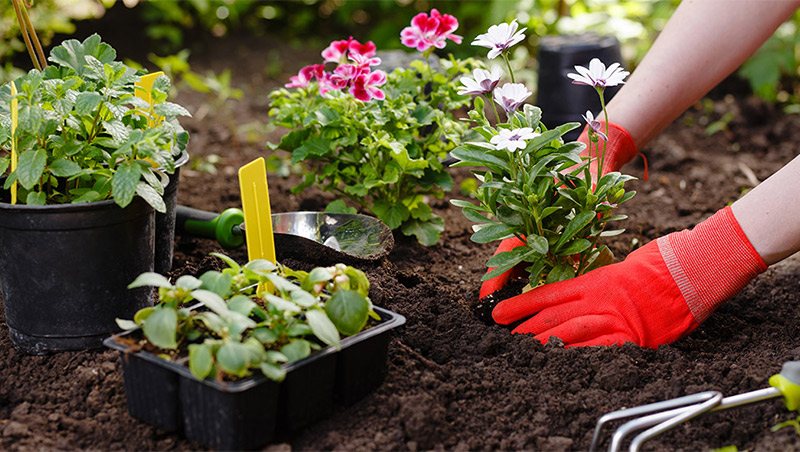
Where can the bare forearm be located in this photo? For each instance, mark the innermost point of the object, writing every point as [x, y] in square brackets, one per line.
[770, 214]
[704, 42]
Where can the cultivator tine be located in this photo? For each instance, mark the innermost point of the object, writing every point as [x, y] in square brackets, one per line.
[683, 415]
[657, 407]
[670, 413]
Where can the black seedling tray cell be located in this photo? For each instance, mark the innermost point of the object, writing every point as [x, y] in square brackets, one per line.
[246, 414]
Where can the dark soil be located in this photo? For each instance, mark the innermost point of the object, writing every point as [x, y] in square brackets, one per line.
[455, 382]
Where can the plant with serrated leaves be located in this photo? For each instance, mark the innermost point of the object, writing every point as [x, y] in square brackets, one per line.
[375, 140]
[84, 135]
[534, 185]
[253, 316]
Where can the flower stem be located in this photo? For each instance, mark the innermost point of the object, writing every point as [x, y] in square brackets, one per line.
[508, 63]
[605, 143]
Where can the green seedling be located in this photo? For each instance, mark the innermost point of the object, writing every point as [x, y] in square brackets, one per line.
[229, 329]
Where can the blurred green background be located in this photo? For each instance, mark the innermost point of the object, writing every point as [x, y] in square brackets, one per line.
[165, 27]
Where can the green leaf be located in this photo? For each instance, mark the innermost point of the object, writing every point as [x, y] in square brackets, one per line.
[599, 258]
[537, 243]
[160, 328]
[36, 198]
[348, 310]
[339, 206]
[322, 327]
[86, 102]
[509, 216]
[30, 167]
[124, 181]
[561, 272]
[265, 335]
[232, 358]
[579, 222]
[232, 264]
[211, 300]
[481, 157]
[127, 325]
[64, 168]
[201, 361]
[296, 350]
[393, 215]
[492, 232]
[217, 282]
[72, 53]
[510, 258]
[151, 196]
[426, 232]
[169, 109]
[188, 282]
[312, 147]
[142, 315]
[272, 371]
[150, 279]
[241, 304]
[575, 247]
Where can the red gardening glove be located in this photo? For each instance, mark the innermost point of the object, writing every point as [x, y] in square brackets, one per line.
[619, 148]
[619, 151]
[659, 293]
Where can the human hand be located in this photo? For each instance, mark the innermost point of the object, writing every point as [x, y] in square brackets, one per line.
[659, 293]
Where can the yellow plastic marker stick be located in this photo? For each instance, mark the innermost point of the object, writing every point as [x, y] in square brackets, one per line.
[257, 213]
[14, 122]
[144, 89]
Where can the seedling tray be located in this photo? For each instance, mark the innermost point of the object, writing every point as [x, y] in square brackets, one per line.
[248, 413]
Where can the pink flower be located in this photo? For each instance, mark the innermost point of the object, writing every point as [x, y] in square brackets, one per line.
[430, 31]
[364, 61]
[367, 49]
[365, 86]
[304, 77]
[595, 125]
[335, 52]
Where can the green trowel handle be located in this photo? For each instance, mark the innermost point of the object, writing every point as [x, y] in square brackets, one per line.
[788, 383]
[223, 227]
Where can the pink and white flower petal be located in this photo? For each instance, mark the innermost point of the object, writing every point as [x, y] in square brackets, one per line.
[500, 37]
[511, 96]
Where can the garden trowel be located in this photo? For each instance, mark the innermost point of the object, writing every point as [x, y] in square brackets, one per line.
[328, 237]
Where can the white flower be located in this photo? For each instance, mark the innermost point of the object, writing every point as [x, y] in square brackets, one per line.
[499, 38]
[513, 139]
[594, 124]
[510, 96]
[483, 81]
[598, 75]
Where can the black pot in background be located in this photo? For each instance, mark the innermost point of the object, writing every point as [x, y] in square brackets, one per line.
[165, 222]
[559, 99]
[64, 271]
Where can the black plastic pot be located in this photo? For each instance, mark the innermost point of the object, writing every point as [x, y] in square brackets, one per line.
[165, 222]
[64, 271]
[559, 99]
[250, 413]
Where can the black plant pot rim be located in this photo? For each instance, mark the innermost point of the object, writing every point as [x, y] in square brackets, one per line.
[394, 320]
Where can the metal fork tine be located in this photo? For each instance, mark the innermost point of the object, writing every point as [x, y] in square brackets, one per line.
[685, 414]
[649, 408]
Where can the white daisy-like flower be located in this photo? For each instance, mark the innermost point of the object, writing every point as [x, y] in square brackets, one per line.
[483, 81]
[510, 96]
[513, 139]
[499, 38]
[595, 125]
[598, 75]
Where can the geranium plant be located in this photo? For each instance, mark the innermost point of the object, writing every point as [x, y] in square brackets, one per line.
[534, 185]
[378, 140]
[83, 134]
[233, 328]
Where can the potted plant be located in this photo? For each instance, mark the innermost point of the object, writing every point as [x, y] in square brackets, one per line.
[378, 140]
[534, 185]
[76, 217]
[231, 355]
